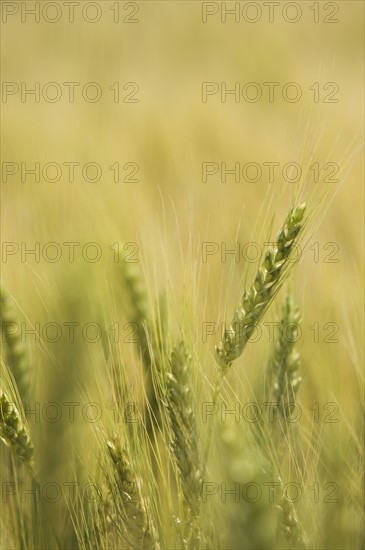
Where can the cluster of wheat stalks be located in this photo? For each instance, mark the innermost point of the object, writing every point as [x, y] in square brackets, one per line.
[151, 474]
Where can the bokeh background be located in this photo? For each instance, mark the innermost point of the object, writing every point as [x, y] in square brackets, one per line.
[169, 211]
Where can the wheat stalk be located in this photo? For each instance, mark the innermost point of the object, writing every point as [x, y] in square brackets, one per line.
[133, 280]
[288, 521]
[184, 444]
[256, 300]
[140, 316]
[243, 464]
[136, 526]
[15, 350]
[284, 382]
[14, 432]
[283, 377]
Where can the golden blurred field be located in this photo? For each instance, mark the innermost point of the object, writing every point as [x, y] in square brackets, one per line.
[168, 212]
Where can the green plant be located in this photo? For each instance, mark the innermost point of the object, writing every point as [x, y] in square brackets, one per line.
[258, 297]
[14, 432]
[184, 440]
[132, 518]
[15, 350]
[282, 384]
[282, 379]
[141, 317]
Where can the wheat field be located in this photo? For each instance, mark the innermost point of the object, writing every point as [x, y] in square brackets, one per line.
[182, 271]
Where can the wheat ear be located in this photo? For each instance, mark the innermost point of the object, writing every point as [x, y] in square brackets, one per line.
[140, 316]
[14, 432]
[136, 525]
[283, 377]
[288, 521]
[184, 443]
[283, 384]
[134, 283]
[256, 300]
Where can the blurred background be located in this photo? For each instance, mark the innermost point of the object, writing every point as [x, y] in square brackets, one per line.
[155, 129]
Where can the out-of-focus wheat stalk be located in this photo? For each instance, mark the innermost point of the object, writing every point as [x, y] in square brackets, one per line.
[184, 443]
[14, 432]
[283, 380]
[288, 521]
[133, 519]
[141, 317]
[15, 352]
[282, 384]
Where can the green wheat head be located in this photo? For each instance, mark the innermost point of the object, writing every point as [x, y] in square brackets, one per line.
[184, 442]
[283, 377]
[132, 519]
[256, 300]
[141, 316]
[14, 432]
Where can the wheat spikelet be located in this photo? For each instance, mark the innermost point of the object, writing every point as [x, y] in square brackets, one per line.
[15, 354]
[283, 377]
[14, 432]
[184, 442]
[136, 526]
[256, 300]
